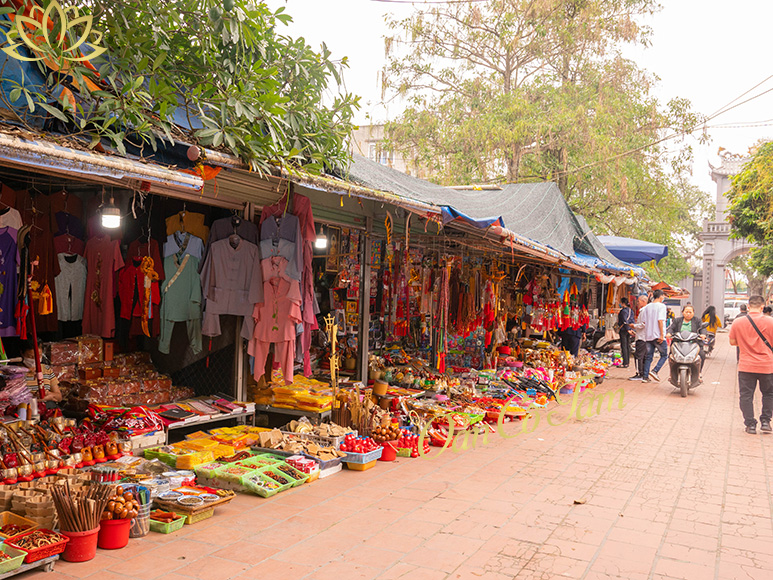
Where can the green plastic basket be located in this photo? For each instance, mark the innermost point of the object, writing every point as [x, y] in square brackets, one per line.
[290, 481]
[223, 474]
[163, 528]
[294, 474]
[17, 557]
[261, 491]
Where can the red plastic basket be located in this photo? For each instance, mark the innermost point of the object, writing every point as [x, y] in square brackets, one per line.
[36, 554]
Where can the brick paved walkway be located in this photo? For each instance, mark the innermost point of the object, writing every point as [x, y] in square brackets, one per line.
[673, 488]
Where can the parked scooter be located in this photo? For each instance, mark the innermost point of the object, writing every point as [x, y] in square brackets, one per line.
[711, 338]
[685, 361]
[595, 339]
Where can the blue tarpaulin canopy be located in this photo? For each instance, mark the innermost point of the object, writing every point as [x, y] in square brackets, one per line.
[633, 251]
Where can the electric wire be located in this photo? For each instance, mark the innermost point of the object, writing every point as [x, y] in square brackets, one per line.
[721, 111]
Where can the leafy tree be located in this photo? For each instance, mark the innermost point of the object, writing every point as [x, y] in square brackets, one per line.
[223, 67]
[750, 211]
[523, 90]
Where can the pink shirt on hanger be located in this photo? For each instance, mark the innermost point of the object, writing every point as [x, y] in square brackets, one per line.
[276, 317]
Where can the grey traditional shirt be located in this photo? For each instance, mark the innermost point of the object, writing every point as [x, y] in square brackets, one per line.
[231, 283]
[70, 287]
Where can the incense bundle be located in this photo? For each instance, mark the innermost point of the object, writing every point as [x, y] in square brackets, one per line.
[80, 511]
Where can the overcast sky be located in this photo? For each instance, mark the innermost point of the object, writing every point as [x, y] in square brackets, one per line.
[706, 51]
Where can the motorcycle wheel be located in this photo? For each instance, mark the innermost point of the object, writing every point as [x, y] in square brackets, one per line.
[683, 382]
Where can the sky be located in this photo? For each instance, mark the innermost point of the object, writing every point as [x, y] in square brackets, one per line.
[707, 51]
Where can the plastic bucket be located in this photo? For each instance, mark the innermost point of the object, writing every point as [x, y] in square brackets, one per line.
[140, 526]
[113, 534]
[390, 451]
[82, 545]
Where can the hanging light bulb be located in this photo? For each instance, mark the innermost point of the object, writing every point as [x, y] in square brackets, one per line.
[321, 242]
[111, 215]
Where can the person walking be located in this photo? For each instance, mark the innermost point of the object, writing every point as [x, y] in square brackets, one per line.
[640, 350]
[654, 318]
[710, 316]
[753, 335]
[625, 319]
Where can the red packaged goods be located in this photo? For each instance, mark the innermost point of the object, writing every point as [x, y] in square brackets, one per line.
[112, 401]
[90, 349]
[131, 387]
[148, 385]
[165, 395]
[65, 372]
[115, 389]
[87, 372]
[132, 359]
[111, 371]
[164, 383]
[93, 390]
[61, 353]
[178, 393]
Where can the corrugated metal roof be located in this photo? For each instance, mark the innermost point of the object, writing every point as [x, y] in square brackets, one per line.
[39, 154]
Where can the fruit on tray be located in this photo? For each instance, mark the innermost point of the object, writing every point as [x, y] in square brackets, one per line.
[388, 433]
[4, 556]
[361, 444]
[121, 506]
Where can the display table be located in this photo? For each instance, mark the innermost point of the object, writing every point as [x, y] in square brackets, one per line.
[217, 419]
[314, 417]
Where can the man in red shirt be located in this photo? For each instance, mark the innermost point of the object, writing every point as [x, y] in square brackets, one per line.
[753, 334]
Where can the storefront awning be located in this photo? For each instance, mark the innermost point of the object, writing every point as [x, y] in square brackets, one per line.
[45, 156]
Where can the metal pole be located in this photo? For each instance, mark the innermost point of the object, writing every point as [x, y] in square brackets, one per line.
[38, 367]
[363, 344]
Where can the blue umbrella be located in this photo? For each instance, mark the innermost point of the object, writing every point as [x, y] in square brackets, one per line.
[633, 251]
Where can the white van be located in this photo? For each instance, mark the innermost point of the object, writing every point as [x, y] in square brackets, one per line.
[732, 310]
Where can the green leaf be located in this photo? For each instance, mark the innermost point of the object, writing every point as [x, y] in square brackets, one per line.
[15, 94]
[54, 111]
[158, 61]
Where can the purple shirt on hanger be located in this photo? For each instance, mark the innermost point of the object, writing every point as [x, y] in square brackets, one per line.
[9, 261]
[68, 223]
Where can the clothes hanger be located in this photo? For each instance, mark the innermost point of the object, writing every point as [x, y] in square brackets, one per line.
[234, 239]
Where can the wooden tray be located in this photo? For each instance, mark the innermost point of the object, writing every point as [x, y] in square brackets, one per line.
[173, 506]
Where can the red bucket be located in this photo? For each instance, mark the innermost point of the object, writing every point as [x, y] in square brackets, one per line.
[389, 452]
[82, 545]
[114, 534]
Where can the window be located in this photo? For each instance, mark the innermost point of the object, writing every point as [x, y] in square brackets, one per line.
[372, 151]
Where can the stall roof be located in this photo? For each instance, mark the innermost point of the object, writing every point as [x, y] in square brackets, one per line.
[634, 251]
[23, 152]
[608, 259]
[537, 211]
